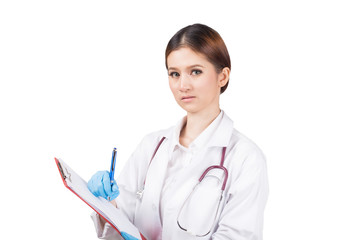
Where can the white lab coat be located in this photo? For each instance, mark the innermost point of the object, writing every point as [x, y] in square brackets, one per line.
[240, 215]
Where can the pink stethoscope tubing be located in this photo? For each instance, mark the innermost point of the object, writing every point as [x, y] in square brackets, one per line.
[220, 166]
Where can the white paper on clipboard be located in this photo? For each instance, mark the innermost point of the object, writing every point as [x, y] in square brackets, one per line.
[104, 208]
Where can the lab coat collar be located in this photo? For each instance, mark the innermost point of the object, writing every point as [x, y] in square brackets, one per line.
[177, 131]
[223, 132]
[217, 134]
[203, 139]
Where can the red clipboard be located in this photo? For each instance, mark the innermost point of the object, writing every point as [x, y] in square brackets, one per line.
[66, 175]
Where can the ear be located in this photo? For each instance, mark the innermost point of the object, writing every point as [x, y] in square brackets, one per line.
[223, 77]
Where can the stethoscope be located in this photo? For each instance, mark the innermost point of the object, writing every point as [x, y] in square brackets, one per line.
[220, 166]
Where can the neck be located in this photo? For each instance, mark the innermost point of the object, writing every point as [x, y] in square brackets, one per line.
[196, 124]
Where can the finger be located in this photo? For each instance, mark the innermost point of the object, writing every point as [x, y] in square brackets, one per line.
[90, 185]
[92, 188]
[101, 191]
[115, 194]
[107, 183]
[115, 187]
[127, 236]
[101, 185]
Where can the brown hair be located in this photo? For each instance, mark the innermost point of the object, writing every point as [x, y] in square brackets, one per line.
[204, 40]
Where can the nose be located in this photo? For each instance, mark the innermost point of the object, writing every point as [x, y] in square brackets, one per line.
[185, 83]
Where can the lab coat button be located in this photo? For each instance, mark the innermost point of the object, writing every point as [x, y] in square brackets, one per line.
[154, 207]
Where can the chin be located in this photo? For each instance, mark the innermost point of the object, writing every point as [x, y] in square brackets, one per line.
[190, 109]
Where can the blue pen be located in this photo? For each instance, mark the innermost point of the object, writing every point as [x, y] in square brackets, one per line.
[113, 164]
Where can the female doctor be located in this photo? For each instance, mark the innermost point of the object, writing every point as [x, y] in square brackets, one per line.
[201, 179]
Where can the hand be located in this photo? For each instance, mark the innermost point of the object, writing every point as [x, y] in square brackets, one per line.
[127, 236]
[100, 185]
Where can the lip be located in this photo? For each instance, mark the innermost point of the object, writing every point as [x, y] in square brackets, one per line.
[187, 98]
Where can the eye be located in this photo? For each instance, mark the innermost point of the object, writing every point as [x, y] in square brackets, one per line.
[196, 72]
[174, 74]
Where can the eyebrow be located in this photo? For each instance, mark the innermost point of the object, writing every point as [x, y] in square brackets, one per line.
[189, 67]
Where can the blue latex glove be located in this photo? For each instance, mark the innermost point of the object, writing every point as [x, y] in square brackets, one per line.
[100, 185]
[127, 236]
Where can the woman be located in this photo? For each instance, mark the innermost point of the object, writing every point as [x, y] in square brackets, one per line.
[159, 190]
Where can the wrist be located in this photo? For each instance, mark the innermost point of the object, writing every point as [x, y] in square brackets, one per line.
[114, 203]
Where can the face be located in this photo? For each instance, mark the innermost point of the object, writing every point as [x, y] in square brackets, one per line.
[194, 81]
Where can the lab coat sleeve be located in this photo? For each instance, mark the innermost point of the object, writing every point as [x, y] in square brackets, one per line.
[103, 229]
[242, 216]
[132, 177]
[128, 183]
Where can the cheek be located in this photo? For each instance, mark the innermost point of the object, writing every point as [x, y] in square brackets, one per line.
[209, 84]
[172, 87]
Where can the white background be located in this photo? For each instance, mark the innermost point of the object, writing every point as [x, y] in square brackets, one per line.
[80, 77]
